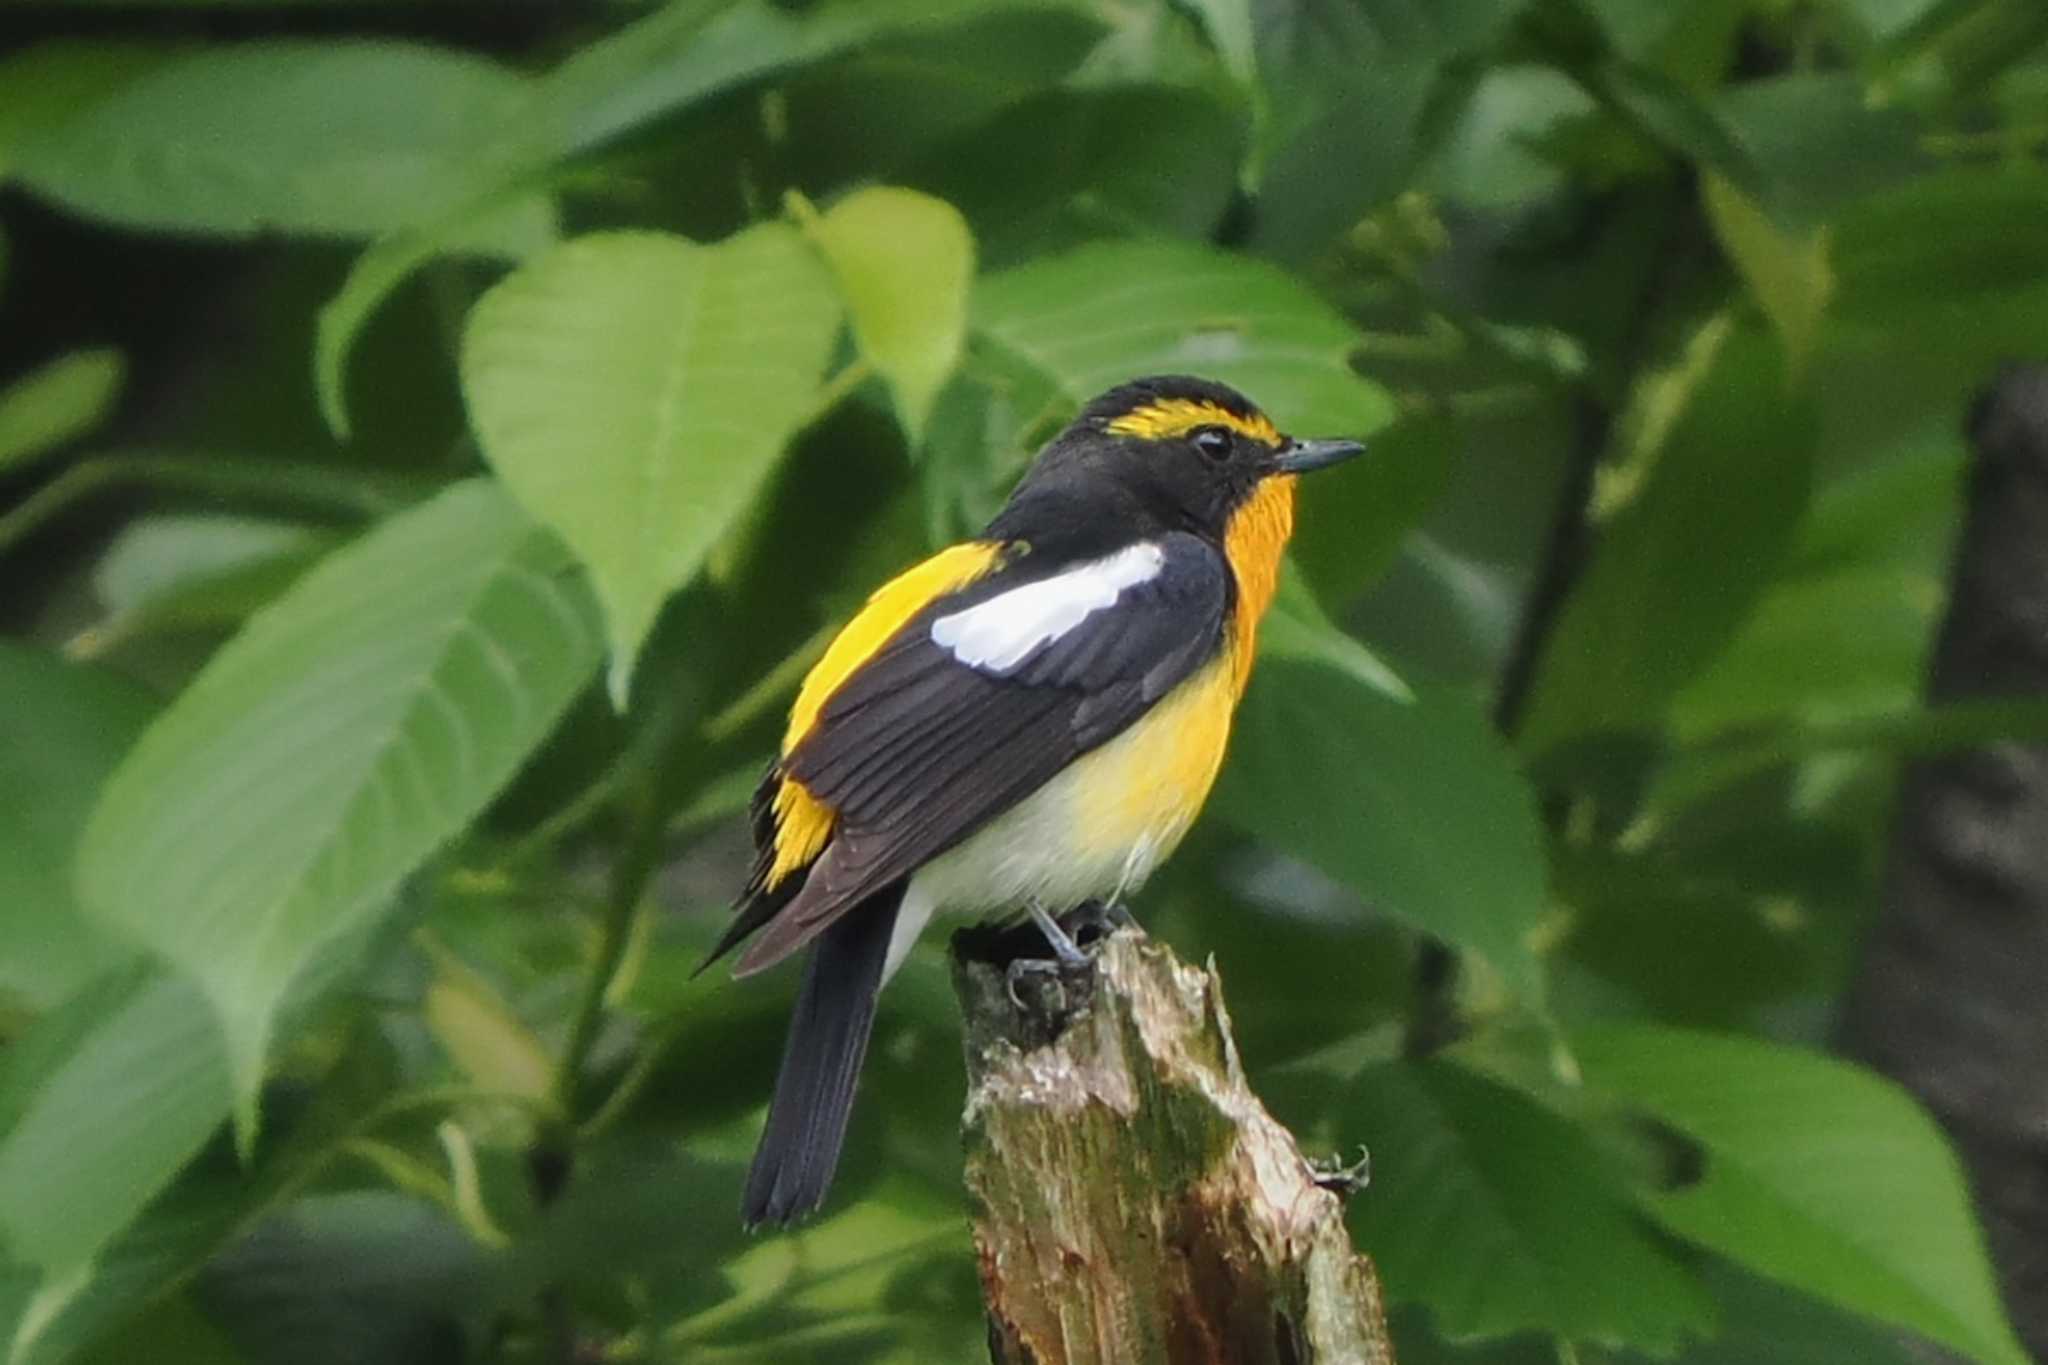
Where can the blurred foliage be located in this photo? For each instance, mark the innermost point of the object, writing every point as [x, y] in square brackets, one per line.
[434, 440]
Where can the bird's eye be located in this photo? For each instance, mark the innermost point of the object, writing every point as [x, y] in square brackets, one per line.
[1213, 442]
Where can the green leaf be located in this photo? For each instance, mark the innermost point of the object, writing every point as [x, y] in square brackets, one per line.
[1097, 316]
[1787, 273]
[1353, 518]
[1820, 140]
[102, 1103]
[1685, 559]
[1820, 646]
[1676, 118]
[62, 730]
[1942, 244]
[481, 1033]
[503, 219]
[1350, 86]
[683, 54]
[635, 390]
[1229, 23]
[1412, 803]
[46, 1321]
[677, 57]
[333, 138]
[1083, 164]
[339, 1279]
[1818, 1174]
[169, 1332]
[351, 729]
[1494, 155]
[1502, 1217]
[904, 261]
[194, 571]
[60, 402]
[52, 82]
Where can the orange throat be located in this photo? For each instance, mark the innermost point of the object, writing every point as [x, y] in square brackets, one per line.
[1253, 542]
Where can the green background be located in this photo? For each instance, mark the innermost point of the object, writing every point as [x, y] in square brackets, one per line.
[435, 439]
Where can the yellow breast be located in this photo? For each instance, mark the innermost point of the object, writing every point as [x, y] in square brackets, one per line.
[1142, 790]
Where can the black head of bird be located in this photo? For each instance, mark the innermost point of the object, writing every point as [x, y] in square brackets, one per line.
[1169, 452]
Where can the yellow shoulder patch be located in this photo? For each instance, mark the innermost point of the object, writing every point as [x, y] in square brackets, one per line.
[802, 822]
[802, 825]
[1171, 417]
[895, 602]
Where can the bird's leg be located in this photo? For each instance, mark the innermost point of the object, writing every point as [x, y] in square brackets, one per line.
[1063, 948]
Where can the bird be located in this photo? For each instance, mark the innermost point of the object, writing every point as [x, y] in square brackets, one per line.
[1022, 722]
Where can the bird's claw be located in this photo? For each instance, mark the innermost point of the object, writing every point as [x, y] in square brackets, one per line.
[1037, 986]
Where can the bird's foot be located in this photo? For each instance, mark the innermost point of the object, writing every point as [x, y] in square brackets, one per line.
[1340, 1178]
[1091, 922]
[1037, 987]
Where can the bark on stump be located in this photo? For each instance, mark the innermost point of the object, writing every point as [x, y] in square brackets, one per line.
[1948, 999]
[1134, 1203]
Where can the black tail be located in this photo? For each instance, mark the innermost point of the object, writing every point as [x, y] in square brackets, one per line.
[828, 1039]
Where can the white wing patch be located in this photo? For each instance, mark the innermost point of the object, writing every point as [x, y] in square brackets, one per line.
[1000, 633]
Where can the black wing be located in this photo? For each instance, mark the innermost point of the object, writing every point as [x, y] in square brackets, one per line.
[918, 750]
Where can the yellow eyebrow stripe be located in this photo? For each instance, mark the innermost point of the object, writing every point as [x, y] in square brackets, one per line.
[1170, 417]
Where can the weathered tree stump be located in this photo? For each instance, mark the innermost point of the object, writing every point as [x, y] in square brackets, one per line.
[1134, 1203]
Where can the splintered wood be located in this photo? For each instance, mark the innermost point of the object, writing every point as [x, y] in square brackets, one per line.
[1135, 1204]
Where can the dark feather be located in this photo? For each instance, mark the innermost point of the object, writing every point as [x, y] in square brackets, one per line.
[821, 1063]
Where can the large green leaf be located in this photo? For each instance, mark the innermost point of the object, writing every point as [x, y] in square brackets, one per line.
[1817, 1174]
[635, 390]
[60, 402]
[150, 1059]
[62, 730]
[1103, 314]
[101, 1104]
[1931, 252]
[335, 138]
[348, 731]
[1409, 801]
[675, 58]
[1684, 561]
[904, 261]
[1502, 1217]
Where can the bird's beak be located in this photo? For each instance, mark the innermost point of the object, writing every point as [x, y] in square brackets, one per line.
[1301, 456]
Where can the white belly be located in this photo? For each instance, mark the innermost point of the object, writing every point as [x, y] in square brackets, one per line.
[1096, 830]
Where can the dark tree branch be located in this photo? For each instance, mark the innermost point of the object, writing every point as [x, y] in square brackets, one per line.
[1948, 998]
